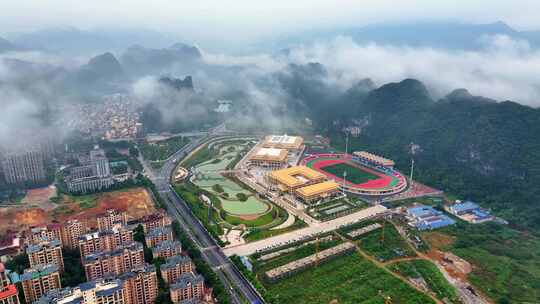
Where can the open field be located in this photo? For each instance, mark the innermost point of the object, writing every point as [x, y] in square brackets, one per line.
[427, 274]
[504, 261]
[347, 279]
[393, 246]
[355, 174]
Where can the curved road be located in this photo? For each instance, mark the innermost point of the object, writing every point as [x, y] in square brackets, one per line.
[178, 209]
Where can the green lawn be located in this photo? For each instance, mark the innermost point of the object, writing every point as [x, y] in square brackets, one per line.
[507, 262]
[349, 279]
[260, 221]
[432, 276]
[355, 175]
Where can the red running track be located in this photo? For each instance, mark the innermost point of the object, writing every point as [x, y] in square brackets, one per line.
[382, 182]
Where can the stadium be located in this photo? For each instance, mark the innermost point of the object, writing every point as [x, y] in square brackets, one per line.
[362, 173]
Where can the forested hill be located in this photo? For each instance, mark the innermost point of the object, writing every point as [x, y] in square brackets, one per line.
[469, 145]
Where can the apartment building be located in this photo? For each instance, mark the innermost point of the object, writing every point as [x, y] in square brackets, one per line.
[155, 220]
[8, 291]
[39, 280]
[167, 249]
[46, 252]
[189, 286]
[71, 231]
[140, 285]
[158, 235]
[95, 292]
[113, 263]
[105, 240]
[38, 234]
[23, 166]
[175, 266]
[110, 218]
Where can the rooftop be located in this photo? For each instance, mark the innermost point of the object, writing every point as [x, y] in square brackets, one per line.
[318, 189]
[186, 279]
[175, 260]
[283, 141]
[272, 154]
[374, 158]
[38, 271]
[296, 176]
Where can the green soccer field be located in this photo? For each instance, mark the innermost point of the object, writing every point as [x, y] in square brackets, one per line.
[355, 175]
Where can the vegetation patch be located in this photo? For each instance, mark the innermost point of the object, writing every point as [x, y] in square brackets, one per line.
[161, 150]
[349, 279]
[385, 244]
[429, 273]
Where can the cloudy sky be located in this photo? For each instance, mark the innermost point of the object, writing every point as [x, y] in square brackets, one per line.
[248, 19]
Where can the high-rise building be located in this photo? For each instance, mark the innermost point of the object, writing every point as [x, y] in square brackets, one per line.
[94, 173]
[158, 235]
[21, 167]
[167, 249]
[174, 267]
[111, 217]
[47, 252]
[39, 280]
[39, 234]
[113, 263]
[71, 231]
[188, 287]
[105, 240]
[8, 291]
[95, 292]
[140, 285]
[155, 220]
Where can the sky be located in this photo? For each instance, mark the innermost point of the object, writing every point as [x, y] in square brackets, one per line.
[242, 21]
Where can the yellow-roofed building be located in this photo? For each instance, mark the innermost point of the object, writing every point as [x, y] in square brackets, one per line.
[268, 157]
[318, 191]
[292, 178]
[293, 143]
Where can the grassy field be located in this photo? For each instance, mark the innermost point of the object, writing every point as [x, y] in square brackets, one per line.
[260, 221]
[393, 246]
[355, 175]
[506, 261]
[435, 281]
[348, 279]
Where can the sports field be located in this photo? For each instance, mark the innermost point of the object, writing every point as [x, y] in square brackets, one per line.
[355, 174]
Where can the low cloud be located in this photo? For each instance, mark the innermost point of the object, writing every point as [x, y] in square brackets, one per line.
[505, 69]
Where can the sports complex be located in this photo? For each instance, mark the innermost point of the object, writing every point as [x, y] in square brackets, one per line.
[361, 173]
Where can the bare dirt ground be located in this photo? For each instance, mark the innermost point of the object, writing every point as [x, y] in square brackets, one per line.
[137, 202]
[19, 218]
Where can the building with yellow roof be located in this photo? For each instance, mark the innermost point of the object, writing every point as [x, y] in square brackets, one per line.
[295, 177]
[318, 191]
[268, 157]
[293, 143]
[304, 183]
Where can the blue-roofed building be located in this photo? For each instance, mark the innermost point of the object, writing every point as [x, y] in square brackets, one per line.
[470, 211]
[427, 218]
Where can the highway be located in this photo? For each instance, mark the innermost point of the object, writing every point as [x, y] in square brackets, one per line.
[178, 209]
